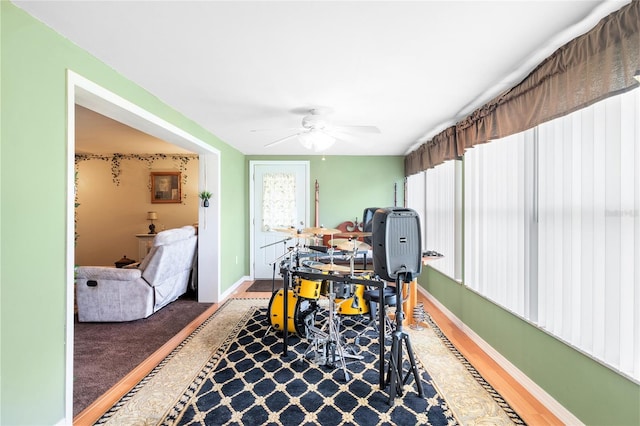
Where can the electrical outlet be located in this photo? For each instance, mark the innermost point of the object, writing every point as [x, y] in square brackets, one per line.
[236, 260]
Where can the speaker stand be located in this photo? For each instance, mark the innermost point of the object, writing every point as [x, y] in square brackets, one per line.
[395, 378]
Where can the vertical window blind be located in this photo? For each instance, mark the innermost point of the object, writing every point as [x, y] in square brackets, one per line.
[416, 200]
[552, 228]
[434, 195]
[589, 230]
[497, 220]
[552, 215]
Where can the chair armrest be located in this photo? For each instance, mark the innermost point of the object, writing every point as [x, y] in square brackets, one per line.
[107, 273]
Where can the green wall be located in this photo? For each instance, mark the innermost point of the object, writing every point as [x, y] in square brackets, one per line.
[349, 184]
[33, 64]
[592, 392]
[33, 202]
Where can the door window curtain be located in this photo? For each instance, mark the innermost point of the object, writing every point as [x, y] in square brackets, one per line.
[278, 201]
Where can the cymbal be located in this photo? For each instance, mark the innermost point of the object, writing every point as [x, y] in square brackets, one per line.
[332, 268]
[303, 235]
[348, 245]
[353, 234]
[359, 246]
[321, 231]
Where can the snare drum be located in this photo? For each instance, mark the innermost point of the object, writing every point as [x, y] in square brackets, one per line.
[346, 304]
[301, 312]
[313, 265]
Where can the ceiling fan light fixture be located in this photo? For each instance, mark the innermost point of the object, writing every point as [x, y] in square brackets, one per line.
[316, 141]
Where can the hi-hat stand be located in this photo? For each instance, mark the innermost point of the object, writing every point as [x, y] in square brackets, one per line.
[395, 378]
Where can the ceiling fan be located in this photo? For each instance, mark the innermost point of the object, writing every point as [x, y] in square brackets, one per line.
[318, 133]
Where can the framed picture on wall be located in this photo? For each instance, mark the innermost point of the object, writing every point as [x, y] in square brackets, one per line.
[165, 187]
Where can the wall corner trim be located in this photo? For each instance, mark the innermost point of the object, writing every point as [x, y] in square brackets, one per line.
[224, 296]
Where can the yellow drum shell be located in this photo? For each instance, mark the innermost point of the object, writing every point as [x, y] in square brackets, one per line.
[340, 290]
[308, 289]
[296, 307]
[362, 307]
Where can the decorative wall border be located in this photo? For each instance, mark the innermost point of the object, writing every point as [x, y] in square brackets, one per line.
[182, 161]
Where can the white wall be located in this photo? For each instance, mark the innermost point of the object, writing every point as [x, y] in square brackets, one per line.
[110, 215]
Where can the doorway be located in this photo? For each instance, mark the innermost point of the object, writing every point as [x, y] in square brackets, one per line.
[84, 92]
[279, 198]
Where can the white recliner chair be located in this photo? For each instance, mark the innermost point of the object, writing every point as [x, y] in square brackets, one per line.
[106, 294]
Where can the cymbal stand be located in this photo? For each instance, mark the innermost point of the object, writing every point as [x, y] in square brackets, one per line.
[395, 378]
[330, 251]
[277, 242]
[353, 254]
[326, 344]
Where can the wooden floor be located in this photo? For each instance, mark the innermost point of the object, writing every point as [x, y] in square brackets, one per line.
[529, 409]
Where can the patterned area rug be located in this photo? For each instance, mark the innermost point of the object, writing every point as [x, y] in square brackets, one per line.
[196, 370]
[248, 382]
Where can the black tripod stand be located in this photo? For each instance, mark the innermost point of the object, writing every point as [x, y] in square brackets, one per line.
[395, 378]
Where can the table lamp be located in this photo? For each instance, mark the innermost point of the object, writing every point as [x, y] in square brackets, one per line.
[152, 216]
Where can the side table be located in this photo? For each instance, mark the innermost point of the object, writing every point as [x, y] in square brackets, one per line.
[144, 244]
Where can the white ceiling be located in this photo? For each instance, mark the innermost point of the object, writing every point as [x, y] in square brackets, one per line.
[409, 68]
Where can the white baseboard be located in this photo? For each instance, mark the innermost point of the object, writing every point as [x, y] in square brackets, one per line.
[540, 394]
[224, 296]
[63, 422]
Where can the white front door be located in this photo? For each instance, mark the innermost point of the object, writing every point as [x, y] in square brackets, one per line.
[280, 200]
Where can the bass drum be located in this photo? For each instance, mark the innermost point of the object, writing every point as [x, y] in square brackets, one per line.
[301, 312]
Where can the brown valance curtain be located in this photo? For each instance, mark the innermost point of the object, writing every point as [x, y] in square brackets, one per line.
[591, 67]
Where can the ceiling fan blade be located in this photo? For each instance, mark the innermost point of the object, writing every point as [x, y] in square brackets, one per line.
[340, 136]
[286, 138]
[358, 129]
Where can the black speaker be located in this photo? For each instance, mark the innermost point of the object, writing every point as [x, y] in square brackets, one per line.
[367, 222]
[397, 244]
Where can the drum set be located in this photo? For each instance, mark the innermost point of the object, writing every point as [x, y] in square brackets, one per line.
[317, 284]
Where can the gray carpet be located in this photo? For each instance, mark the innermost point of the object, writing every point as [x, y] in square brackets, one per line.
[106, 352]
